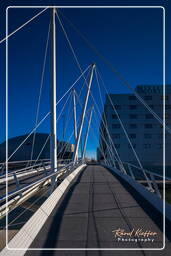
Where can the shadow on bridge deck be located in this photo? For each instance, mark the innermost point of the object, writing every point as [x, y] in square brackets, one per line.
[96, 203]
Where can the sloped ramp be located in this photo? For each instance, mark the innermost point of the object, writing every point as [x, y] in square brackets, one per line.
[96, 204]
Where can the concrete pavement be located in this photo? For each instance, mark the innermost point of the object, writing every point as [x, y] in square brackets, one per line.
[97, 204]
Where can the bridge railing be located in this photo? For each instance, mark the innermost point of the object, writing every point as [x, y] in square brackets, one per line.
[48, 175]
[142, 176]
[18, 166]
[15, 165]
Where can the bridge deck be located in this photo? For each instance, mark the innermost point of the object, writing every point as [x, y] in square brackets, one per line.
[96, 203]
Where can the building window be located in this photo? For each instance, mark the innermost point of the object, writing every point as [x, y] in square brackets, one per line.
[148, 126]
[133, 126]
[116, 136]
[133, 116]
[117, 106]
[147, 146]
[132, 136]
[132, 97]
[133, 107]
[160, 145]
[148, 97]
[168, 106]
[167, 116]
[117, 146]
[147, 136]
[134, 145]
[160, 136]
[114, 116]
[115, 126]
[148, 116]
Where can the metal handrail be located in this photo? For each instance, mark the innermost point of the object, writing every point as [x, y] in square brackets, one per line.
[19, 191]
[32, 167]
[151, 178]
[23, 169]
[149, 172]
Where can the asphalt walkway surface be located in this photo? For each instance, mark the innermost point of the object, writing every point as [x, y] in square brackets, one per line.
[99, 210]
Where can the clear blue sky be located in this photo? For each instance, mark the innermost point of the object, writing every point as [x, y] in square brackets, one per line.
[131, 39]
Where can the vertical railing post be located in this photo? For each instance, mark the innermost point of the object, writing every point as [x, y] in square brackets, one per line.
[155, 185]
[17, 182]
[44, 167]
[131, 172]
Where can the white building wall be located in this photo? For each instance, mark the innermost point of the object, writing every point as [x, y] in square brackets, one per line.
[144, 131]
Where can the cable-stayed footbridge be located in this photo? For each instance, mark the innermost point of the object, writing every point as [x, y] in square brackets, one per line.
[85, 205]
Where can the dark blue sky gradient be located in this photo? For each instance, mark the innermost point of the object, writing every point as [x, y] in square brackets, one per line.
[131, 39]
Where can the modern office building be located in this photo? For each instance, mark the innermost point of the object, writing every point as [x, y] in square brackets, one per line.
[144, 131]
[64, 149]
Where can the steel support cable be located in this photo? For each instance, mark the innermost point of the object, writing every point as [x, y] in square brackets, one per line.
[108, 95]
[70, 45]
[79, 96]
[40, 91]
[94, 117]
[49, 134]
[108, 132]
[77, 120]
[107, 128]
[67, 123]
[69, 116]
[102, 152]
[42, 149]
[32, 204]
[42, 120]
[65, 146]
[95, 135]
[23, 25]
[125, 132]
[109, 148]
[122, 125]
[69, 42]
[112, 146]
[87, 118]
[117, 73]
[105, 121]
[86, 111]
[73, 50]
[104, 138]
